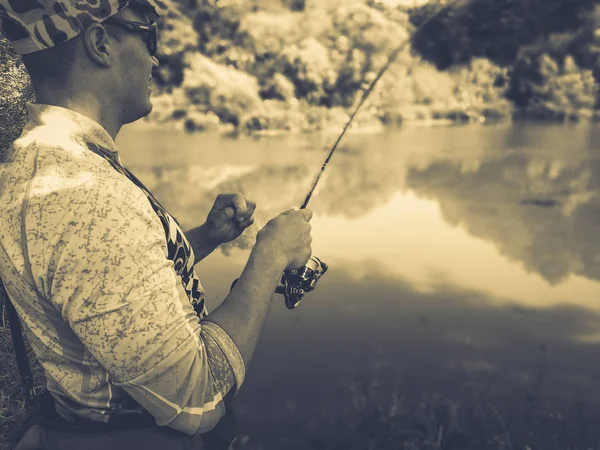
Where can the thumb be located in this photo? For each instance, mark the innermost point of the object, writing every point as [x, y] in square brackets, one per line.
[228, 212]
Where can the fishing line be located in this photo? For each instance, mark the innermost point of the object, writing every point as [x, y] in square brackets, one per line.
[366, 93]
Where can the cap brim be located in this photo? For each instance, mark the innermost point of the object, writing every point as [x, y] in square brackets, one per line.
[159, 7]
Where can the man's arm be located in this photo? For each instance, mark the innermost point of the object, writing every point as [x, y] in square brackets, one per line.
[283, 243]
[243, 312]
[230, 215]
[200, 242]
[117, 291]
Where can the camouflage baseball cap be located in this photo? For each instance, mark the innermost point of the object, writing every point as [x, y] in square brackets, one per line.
[34, 25]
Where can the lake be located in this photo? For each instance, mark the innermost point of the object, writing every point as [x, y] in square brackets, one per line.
[462, 297]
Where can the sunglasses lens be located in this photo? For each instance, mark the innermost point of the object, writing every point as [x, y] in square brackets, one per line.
[152, 41]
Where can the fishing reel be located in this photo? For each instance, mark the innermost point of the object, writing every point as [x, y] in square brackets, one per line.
[296, 282]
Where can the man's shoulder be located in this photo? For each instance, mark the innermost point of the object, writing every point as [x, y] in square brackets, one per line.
[46, 142]
[63, 171]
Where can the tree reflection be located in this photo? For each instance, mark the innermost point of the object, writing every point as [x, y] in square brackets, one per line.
[540, 209]
[359, 181]
[189, 193]
[531, 191]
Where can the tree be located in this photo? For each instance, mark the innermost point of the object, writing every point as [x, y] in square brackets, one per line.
[496, 29]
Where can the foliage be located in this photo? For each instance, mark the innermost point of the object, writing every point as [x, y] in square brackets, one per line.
[15, 90]
[226, 91]
[177, 37]
[549, 47]
[495, 29]
[260, 63]
[546, 89]
[308, 65]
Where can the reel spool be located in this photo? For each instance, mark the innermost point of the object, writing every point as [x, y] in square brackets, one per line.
[296, 282]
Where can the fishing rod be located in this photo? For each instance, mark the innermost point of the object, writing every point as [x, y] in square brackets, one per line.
[393, 56]
[296, 282]
[365, 95]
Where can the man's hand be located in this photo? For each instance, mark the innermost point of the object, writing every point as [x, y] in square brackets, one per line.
[229, 217]
[287, 237]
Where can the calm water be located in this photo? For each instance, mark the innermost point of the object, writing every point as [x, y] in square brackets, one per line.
[457, 255]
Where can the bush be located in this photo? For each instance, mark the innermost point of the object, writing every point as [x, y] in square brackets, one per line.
[279, 88]
[361, 40]
[543, 88]
[268, 33]
[15, 90]
[309, 67]
[228, 92]
[275, 116]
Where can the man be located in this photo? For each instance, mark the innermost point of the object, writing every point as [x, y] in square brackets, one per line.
[99, 272]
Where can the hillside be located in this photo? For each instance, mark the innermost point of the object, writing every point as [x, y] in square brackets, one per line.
[300, 65]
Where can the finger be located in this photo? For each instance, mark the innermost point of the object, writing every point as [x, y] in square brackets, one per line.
[251, 208]
[236, 201]
[239, 204]
[229, 212]
[306, 214]
[245, 224]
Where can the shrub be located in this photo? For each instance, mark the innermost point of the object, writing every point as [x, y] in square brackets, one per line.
[268, 33]
[228, 92]
[274, 116]
[543, 88]
[309, 67]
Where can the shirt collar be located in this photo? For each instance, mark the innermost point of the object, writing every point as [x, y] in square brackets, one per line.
[72, 123]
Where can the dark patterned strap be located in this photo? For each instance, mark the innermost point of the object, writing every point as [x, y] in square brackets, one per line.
[178, 250]
[20, 352]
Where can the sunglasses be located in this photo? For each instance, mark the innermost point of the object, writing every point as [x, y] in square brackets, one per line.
[151, 34]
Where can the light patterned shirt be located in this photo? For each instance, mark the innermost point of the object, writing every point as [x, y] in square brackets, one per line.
[103, 280]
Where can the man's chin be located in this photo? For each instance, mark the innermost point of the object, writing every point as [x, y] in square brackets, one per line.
[149, 108]
[143, 113]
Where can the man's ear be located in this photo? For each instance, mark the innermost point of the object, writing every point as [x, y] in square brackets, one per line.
[97, 46]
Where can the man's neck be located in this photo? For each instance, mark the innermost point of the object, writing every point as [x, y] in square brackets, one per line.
[88, 106]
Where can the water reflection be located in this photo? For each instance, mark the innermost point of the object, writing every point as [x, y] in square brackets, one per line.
[531, 191]
[458, 257]
[362, 321]
[540, 210]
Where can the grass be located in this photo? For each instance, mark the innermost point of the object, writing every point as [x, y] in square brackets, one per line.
[467, 415]
[15, 90]
[12, 405]
[397, 412]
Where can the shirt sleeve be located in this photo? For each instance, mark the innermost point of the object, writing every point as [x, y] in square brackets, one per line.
[98, 253]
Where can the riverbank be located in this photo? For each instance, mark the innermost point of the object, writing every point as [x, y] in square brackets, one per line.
[173, 111]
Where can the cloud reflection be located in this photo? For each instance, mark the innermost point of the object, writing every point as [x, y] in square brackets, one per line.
[361, 320]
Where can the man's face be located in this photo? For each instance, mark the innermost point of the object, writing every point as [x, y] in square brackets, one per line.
[133, 70]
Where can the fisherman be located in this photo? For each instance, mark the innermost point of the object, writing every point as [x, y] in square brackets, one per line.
[101, 275]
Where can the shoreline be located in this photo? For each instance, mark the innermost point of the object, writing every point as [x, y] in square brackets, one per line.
[228, 129]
